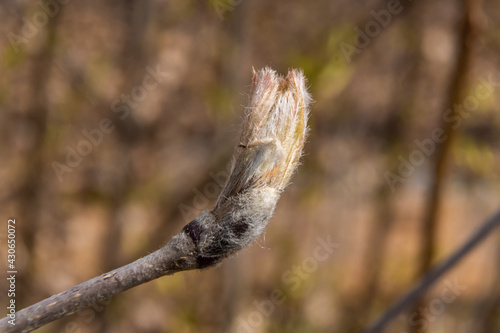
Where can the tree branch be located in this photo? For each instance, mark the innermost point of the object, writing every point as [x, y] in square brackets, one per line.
[467, 36]
[271, 143]
[414, 294]
[168, 260]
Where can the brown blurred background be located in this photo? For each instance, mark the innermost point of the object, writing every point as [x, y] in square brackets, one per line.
[160, 87]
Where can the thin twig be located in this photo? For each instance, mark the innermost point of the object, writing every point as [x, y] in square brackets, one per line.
[168, 260]
[407, 300]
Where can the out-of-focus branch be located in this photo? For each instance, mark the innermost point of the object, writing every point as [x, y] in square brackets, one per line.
[271, 143]
[456, 92]
[467, 35]
[487, 228]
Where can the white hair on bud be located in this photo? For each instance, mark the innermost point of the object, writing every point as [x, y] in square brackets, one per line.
[271, 144]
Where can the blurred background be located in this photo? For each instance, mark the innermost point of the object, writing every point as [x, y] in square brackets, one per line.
[118, 120]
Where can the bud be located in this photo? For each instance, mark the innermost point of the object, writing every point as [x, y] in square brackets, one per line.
[271, 143]
[273, 133]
